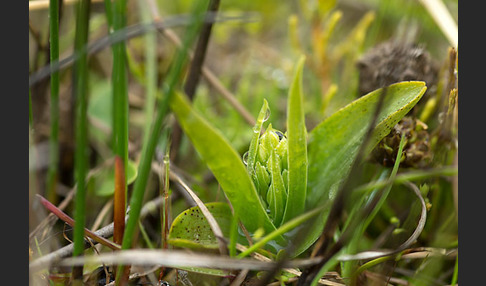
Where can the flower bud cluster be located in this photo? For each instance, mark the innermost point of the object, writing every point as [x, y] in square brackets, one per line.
[270, 173]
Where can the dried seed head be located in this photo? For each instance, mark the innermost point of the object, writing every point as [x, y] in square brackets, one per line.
[416, 152]
[392, 62]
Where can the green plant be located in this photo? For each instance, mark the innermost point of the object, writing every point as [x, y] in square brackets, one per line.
[295, 188]
[316, 164]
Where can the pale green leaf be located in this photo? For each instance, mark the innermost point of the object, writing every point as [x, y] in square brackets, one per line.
[190, 228]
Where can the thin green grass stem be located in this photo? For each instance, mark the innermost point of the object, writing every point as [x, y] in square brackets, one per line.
[145, 236]
[54, 106]
[119, 83]
[371, 263]
[393, 175]
[325, 268]
[109, 14]
[456, 272]
[80, 89]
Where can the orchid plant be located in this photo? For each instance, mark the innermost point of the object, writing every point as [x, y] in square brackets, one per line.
[285, 178]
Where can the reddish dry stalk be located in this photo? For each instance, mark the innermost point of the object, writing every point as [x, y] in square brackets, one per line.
[119, 211]
[119, 201]
[64, 217]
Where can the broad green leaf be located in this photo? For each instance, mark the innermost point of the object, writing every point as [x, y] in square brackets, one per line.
[297, 147]
[105, 180]
[334, 143]
[191, 229]
[226, 165]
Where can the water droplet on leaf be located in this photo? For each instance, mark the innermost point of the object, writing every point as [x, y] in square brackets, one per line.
[267, 115]
[245, 158]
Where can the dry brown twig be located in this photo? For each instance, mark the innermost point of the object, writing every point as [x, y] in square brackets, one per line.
[48, 221]
[105, 232]
[180, 258]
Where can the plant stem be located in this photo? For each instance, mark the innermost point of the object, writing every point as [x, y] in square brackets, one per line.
[54, 107]
[119, 201]
[109, 15]
[120, 87]
[80, 90]
[119, 83]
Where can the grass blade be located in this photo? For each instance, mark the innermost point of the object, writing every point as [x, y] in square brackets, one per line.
[119, 83]
[80, 90]
[54, 109]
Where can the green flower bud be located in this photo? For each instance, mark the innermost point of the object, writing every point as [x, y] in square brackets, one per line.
[276, 195]
[269, 172]
[262, 178]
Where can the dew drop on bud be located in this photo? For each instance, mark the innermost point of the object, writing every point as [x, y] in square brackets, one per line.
[245, 158]
[267, 115]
